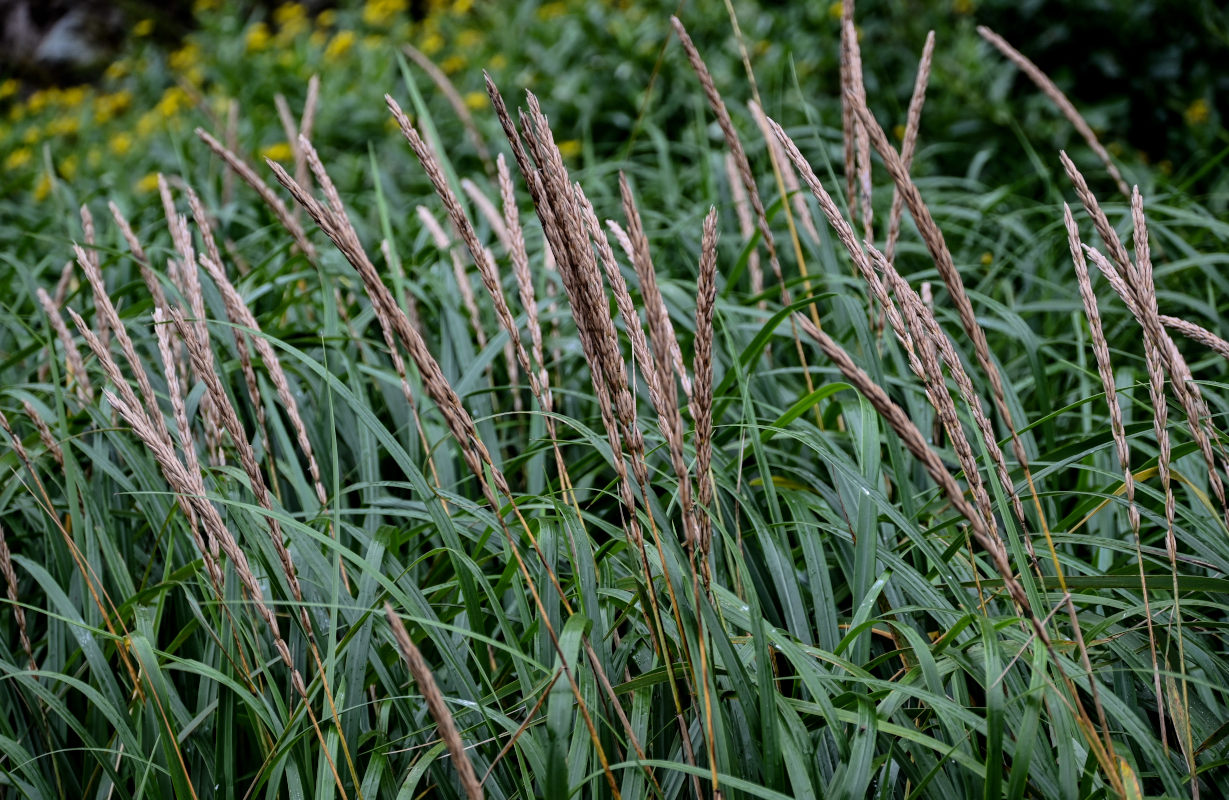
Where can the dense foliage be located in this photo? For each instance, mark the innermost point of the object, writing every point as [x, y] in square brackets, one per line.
[849, 630]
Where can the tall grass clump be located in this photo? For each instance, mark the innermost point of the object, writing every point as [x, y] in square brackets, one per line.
[471, 473]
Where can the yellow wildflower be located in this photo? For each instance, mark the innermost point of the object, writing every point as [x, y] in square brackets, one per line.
[42, 188]
[475, 100]
[116, 70]
[32, 135]
[287, 58]
[143, 28]
[381, 12]
[148, 123]
[39, 101]
[93, 157]
[987, 258]
[64, 126]
[962, 7]
[373, 42]
[108, 106]
[289, 13]
[569, 148]
[1197, 112]
[339, 45]
[68, 167]
[185, 57]
[551, 11]
[173, 100]
[8, 88]
[899, 131]
[291, 21]
[431, 44]
[461, 6]
[148, 184]
[318, 38]
[453, 64]
[258, 37]
[498, 61]
[281, 151]
[837, 11]
[326, 18]
[120, 143]
[203, 6]
[18, 158]
[468, 38]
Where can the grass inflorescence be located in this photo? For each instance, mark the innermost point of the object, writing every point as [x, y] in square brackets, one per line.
[510, 473]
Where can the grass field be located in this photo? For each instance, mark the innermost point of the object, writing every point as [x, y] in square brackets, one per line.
[649, 418]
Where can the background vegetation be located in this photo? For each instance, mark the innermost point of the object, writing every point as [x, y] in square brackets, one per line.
[845, 635]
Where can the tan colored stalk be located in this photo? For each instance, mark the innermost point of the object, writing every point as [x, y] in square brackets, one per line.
[744, 170]
[1196, 333]
[1105, 370]
[519, 256]
[734, 143]
[661, 330]
[662, 393]
[933, 237]
[862, 146]
[76, 367]
[789, 178]
[1139, 295]
[233, 314]
[110, 319]
[913, 121]
[746, 226]
[487, 209]
[44, 433]
[1050, 90]
[63, 283]
[206, 371]
[849, 121]
[194, 483]
[399, 366]
[334, 222]
[913, 440]
[186, 277]
[138, 253]
[442, 82]
[706, 301]
[91, 251]
[182, 482]
[275, 204]
[187, 444]
[548, 188]
[440, 712]
[1193, 405]
[458, 271]
[10, 583]
[241, 315]
[929, 330]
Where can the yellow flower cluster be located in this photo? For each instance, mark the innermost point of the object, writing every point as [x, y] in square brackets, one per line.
[1197, 112]
[109, 106]
[281, 151]
[338, 46]
[258, 37]
[381, 12]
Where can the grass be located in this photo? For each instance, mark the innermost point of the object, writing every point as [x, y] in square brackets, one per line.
[646, 474]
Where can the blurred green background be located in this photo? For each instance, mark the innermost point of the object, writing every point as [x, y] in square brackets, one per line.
[1149, 76]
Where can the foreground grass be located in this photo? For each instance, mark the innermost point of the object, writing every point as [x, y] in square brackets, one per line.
[348, 546]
